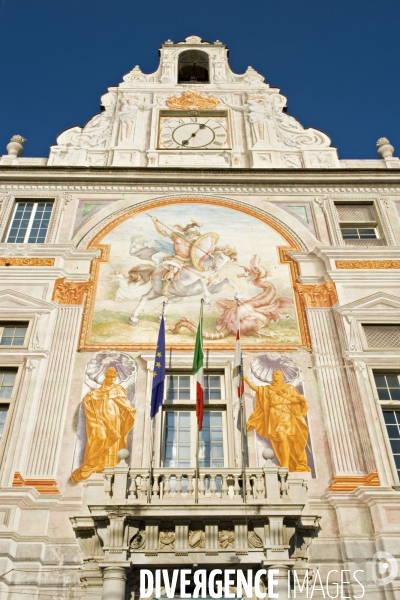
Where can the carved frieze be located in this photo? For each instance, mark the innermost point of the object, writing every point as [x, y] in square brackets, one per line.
[71, 292]
[191, 100]
[317, 295]
[22, 261]
[367, 264]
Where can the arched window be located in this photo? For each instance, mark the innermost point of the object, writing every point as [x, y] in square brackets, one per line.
[193, 67]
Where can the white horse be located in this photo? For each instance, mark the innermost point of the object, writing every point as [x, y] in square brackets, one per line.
[190, 282]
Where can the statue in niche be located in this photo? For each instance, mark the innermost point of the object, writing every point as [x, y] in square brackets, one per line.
[127, 116]
[280, 416]
[109, 418]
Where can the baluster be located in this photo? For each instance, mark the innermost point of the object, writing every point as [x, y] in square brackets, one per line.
[190, 487]
[236, 486]
[132, 488]
[213, 486]
[179, 486]
[284, 485]
[202, 487]
[167, 486]
[156, 488]
[225, 488]
[260, 486]
[108, 484]
[248, 487]
[143, 486]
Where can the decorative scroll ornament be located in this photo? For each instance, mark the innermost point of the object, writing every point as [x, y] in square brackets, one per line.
[6, 261]
[367, 264]
[71, 292]
[192, 100]
[226, 538]
[314, 296]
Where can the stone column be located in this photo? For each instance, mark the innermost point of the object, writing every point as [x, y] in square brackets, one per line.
[280, 580]
[114, 583]
[341, 427]
[47, 435]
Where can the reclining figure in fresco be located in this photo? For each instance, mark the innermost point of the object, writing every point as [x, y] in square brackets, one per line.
[193, 270]
[280, 416]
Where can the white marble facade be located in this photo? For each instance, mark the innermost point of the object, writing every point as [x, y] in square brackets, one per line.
[83, 540]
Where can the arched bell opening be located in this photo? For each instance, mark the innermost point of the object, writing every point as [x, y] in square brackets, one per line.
[193, 67]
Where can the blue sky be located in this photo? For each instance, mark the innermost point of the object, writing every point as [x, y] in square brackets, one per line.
[337, 61]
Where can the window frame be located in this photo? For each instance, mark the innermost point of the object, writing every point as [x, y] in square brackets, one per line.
[381, 406]
[375, 224]
[190, 406]
[25, 345]
[19, 369]
[193, 428]
[34, 201]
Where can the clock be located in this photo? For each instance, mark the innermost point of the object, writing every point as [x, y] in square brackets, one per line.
[193, 130]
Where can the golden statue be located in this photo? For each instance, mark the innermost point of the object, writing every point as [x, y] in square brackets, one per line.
[109, 419]
[279, 416]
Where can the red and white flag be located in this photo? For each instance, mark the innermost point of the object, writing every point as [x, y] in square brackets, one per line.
[237, 363]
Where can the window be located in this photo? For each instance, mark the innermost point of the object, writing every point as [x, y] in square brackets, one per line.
[180, 430]
[181, 387]
[13, 334]
[388, 388]
[382, 336]
[193, 67]
[358, 224]
[7, 383]
[178, 446]
[30, 222]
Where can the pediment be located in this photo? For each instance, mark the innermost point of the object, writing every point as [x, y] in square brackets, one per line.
[370, 305]
[12, 300]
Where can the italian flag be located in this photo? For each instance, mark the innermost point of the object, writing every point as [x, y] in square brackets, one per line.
[198, 372]
[237, 362]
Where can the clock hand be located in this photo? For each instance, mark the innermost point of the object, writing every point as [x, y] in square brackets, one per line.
[186, 142]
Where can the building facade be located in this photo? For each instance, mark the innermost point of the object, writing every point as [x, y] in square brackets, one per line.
[193, 184]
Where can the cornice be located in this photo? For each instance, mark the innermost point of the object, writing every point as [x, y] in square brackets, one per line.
[126, 177]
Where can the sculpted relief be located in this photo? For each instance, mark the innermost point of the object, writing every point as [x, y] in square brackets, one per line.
[181, 253]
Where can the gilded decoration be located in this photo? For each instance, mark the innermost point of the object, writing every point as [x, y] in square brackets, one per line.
[314, 296]
[43, 486]
[191, 100]
[280, 416]
[109, 418]
[367, 264]
[348, 483]
[71, 292]
[22, 261]
[145, 254]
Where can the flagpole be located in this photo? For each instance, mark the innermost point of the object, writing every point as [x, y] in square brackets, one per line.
[153, 419]
[196, 491]
[241, 409]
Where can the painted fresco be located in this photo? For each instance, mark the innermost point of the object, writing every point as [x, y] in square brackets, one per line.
[180, 253]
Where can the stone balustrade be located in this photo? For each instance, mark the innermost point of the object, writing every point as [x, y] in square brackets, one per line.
[126, 485]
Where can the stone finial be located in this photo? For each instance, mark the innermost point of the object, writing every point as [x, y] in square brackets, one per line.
[268, 454]
[16, 145]
[384, 148]
[123, 455]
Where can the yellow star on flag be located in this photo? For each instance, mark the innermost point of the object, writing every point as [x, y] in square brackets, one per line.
[154, 374]
[159, 354]
[158, 365]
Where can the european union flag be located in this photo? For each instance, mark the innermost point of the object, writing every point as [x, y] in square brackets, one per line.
[157, 393]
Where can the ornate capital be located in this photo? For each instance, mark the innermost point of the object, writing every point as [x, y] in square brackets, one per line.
[71, 292]
[367, 264]
[317, 295]
[191, 100]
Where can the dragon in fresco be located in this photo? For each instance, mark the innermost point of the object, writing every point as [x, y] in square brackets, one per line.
[254, 313]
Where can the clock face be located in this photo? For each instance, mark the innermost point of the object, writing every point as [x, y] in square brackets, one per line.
[193, 132]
